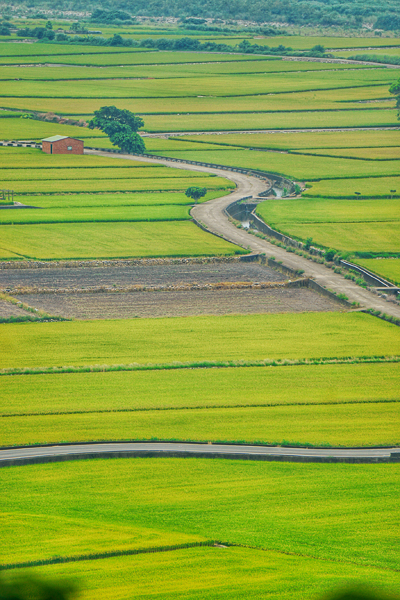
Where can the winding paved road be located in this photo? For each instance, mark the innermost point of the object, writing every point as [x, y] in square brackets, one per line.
[212, 215]
[43, 454]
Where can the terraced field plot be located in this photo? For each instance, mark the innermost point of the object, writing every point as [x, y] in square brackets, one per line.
[190, 302]
[202, 499]
[330, 518]
[336, 169]
[98, 224]
[386, 267]
[306, 336]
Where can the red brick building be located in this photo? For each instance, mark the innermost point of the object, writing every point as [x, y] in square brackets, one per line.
[61, 144]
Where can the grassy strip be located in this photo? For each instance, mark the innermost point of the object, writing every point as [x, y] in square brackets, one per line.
[98, 555]
[199, 365]
[207, 407]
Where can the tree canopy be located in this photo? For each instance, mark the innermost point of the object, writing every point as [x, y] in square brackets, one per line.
[395, 90]
[195, 193]
[121, 126]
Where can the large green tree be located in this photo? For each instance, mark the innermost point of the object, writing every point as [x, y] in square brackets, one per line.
[121, 126]
[395, 90]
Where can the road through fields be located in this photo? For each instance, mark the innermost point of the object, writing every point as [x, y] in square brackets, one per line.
[43, 454]
[212, 216]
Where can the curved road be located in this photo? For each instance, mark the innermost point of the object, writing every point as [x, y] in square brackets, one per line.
[44, 454]
[212, 215]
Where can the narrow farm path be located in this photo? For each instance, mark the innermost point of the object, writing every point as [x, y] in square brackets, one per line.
[212, 216]
[43, 454]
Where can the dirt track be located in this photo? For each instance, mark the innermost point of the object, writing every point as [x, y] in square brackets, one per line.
[212, 215]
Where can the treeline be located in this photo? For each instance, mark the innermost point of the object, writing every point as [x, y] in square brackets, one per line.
[183, 44]
[345, 13]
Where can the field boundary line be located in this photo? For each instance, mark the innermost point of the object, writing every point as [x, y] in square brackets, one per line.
[197, 365]
[208, 407]
[100, 555]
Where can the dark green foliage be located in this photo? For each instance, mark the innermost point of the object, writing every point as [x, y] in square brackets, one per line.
[121, 126]
[32, 588]
[389, 22]
[329, 254]
[41, 33]
[395, 90]
[308, 243]
[196, 193]
[109, 16]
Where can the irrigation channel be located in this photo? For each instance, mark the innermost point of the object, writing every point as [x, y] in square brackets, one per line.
[212, 217]
[63, 452]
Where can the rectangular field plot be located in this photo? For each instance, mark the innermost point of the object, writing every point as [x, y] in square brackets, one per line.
[86, 506]
[47, 50]
[96, 173]
[208, 69]
[360, 237]
[299, 166]
[116, 200]
[303, 140]
[292, 120]
[299, 211]
[373, 187]
[363, 153]
[165, 273]
[180, 303]
[29, 129]
[348, 98]
[199, 388]
[95, 214]
[342, 425]
[251, 337]
[224, 85]
[143, 57]
[218, 574]
[116, 240]
[386, 267]
[115, 185]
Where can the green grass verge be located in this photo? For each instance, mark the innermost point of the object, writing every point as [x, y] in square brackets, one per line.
[331, 512]
[111, 240]
[305, 335]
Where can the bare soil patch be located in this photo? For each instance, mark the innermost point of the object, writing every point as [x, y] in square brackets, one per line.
[122, 276]
[7, 309]
[180, 303]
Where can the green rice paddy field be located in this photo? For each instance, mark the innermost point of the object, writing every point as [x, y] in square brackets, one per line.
[83, 225]
[319, 525]
[387, 267]
[297, 530]
[310, 335]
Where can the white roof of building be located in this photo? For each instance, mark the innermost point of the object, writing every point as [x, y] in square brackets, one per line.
[57, 138]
